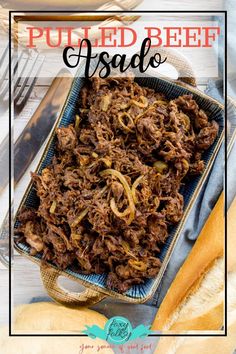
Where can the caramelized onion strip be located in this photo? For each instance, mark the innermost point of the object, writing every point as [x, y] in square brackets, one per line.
[116, 211]
[53, 207]
[142, 114]
[138, 265]
[79, 217]
[126, 249]
[127, 189]
[124, 126]
[142, 104]
[160, 102]
[133, 189]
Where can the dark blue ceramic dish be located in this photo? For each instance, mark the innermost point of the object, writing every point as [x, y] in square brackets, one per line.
[137, 293]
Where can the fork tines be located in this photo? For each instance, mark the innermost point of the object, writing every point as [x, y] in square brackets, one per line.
[26, 66]
[26, 70]
[4, 78]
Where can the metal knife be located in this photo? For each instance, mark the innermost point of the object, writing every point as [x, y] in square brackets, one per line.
[36, 131]
[40, 125]
[30, 141]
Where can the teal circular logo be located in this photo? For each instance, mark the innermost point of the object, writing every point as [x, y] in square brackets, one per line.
[118, 330]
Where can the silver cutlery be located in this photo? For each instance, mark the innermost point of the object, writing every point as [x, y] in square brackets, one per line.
[29, 143]
[4, 80]
[25, 69]
[28, 67]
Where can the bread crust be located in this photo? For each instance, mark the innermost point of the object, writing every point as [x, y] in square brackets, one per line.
[203, 345]
[231, 245]
[52, 319]
[207, 249]
[208, 345]
[212, 319]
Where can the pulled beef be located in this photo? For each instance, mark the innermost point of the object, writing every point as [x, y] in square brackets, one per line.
[112, 191]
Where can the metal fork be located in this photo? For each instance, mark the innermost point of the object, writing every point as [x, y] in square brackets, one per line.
[4, 83]
[26, 71]
[26, 67]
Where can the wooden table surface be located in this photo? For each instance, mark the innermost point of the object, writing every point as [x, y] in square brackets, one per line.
[26, 277]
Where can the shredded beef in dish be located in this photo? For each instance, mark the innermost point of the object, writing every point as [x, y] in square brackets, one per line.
[112, 190]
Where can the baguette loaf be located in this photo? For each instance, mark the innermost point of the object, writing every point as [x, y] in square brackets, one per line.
[209, 345]
[194, 300]
[52, 319]
[231, 244]
[206, 345]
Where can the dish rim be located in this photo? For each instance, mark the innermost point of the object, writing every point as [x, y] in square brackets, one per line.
[189, 206]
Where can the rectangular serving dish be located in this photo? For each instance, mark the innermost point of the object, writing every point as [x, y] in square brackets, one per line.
[137, 293]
